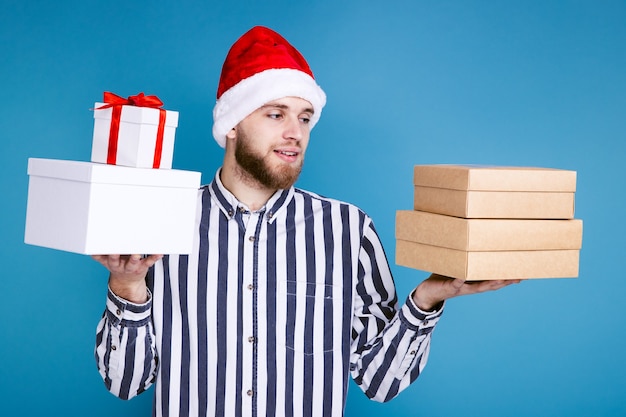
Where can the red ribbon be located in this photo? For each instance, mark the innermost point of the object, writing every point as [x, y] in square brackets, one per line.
[139, 100]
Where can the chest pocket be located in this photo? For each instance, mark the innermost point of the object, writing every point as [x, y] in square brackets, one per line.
[306, 314]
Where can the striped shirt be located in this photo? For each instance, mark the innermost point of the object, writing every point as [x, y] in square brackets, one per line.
[270, 316]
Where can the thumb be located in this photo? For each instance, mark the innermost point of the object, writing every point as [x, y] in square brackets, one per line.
[457, 283]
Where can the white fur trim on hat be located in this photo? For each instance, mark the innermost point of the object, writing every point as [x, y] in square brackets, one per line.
[261, 88]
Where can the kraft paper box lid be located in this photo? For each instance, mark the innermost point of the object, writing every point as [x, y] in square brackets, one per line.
[111, 174]
[488, 234]
[494, 178]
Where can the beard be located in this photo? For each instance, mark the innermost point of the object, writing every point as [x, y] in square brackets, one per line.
[257, 168]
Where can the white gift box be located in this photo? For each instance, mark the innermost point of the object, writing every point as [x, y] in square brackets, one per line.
[93, 208]
[137, 136]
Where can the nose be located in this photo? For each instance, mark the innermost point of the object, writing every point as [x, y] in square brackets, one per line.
[295, 129]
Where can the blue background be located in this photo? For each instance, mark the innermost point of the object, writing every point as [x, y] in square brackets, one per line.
[537, 83]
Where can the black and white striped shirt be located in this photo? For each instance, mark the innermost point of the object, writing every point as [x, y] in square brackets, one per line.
[272, 314]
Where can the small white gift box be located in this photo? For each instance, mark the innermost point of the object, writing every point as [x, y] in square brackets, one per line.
[92, 208]
[135, 137]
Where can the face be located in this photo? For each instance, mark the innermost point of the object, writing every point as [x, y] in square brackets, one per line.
[270, 143]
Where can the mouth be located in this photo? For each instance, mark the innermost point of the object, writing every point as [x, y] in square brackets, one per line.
[287, 155]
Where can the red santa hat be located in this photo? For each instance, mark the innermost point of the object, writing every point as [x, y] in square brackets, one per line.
[260, 67]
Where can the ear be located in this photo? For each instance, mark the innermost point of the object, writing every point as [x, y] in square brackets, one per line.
[232, 133]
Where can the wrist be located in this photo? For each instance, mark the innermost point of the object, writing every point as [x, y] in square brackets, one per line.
[134, 291]
[423, 301]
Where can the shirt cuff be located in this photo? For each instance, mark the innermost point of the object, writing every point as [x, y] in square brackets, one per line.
[121, 311]
[417, 318]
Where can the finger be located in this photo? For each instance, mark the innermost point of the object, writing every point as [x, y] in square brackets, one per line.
[151, 260]
[126, 263]
[477, 287]
[496, 285]
[114, 261]
[133, 260]
[99, 258]
[508, 282]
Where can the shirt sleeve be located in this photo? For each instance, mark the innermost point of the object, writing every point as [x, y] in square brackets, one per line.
[390, 345]
[125, 347]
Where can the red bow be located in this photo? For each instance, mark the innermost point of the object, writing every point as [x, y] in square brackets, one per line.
[139, 100]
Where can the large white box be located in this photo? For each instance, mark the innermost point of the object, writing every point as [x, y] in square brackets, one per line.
[137, 136]
[92, 208]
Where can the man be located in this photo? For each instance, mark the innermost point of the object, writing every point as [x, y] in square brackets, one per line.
[286, 293]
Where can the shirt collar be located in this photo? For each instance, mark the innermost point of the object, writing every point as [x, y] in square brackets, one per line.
[228, 203]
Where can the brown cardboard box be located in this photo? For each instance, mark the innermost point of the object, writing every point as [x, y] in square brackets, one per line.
[488, 265]
[488, 234]
[495, 192]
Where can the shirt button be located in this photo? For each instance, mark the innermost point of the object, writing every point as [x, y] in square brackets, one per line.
[251, 339]
[250, 393]
[413, 352]
[250, 287]
[118, 312]
[251, 238]
[113, 347]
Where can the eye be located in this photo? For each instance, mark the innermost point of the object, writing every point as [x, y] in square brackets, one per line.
[274, 115]
[306, 119]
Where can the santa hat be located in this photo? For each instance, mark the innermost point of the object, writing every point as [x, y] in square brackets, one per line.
[260, 67]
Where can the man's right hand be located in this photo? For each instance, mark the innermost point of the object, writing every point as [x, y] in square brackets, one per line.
[128, 275]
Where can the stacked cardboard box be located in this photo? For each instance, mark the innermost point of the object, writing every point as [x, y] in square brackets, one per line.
[486, 223]
[127, 200]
